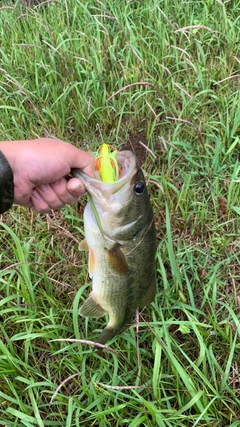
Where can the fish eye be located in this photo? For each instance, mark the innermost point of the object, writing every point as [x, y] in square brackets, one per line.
[139, 188]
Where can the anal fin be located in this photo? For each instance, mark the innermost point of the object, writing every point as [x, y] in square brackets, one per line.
[91, 308]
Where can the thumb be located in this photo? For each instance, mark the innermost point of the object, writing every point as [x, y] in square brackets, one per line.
[76, 187]
[83, 160]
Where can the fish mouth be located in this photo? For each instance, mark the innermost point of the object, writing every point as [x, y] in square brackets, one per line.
[105, 190]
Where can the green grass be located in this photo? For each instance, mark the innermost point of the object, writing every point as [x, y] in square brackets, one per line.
[72, 69]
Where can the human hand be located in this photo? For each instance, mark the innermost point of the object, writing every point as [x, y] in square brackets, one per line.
[40, 170]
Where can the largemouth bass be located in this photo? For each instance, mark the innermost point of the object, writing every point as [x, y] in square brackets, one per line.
[120, 236]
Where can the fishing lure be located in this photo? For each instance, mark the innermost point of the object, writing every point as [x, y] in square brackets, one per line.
[106, 164]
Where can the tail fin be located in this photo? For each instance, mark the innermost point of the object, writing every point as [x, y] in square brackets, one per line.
[108, 333]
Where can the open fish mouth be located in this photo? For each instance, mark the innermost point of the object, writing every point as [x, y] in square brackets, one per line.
[97, 188]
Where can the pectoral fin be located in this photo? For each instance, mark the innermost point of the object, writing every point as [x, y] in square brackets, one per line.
[91, 308]
[91, 262]
[116, 260]
[83, 246]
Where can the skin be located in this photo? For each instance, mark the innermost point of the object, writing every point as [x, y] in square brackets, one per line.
[40, 170]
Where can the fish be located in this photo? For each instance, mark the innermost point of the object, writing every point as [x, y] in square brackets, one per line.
[120, 236]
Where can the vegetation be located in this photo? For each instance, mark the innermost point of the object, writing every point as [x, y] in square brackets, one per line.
[163, 76]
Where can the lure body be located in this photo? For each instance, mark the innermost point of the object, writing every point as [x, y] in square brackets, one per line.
[107, 165]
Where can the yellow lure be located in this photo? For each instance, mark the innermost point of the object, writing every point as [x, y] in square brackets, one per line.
[107, 165]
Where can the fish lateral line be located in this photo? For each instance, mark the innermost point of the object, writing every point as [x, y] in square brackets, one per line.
[139, 243]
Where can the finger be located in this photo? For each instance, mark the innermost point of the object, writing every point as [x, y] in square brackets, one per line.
[83, 161]
[89, 169]
[38, 204]
[67, 191]
[49, 196]
[76, 188]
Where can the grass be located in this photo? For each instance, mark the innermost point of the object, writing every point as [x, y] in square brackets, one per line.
[74, 70]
